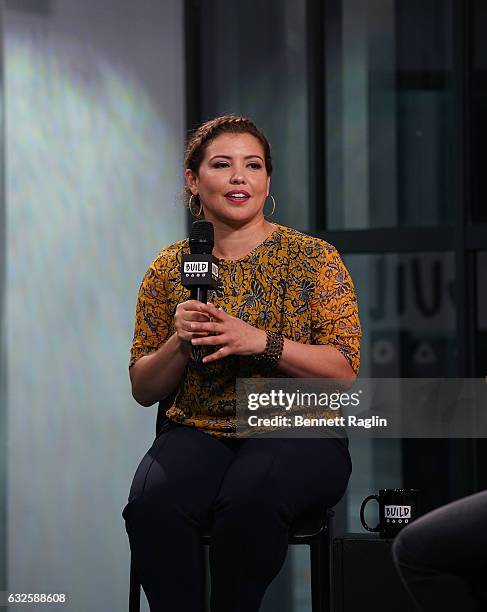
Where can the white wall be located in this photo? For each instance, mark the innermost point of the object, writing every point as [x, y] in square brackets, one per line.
[94, 142]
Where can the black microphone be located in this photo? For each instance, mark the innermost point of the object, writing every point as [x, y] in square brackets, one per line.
[199, 269]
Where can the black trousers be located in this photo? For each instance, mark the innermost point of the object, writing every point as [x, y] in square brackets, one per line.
[250, 489]
[442, 556]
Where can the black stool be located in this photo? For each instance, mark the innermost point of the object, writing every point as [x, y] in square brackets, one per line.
[312, 528]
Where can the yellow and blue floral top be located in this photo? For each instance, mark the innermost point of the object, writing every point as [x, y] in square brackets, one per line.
[291, 282]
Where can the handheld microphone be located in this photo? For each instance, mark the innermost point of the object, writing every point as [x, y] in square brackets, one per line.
[199, 269]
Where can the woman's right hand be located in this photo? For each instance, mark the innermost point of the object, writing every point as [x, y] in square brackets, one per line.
[186, 313]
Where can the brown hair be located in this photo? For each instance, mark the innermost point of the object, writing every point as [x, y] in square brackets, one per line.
[206, 132]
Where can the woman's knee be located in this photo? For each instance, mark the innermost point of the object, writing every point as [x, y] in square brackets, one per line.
[410, 547]
[166, 503]
[400, 550]
[171, 483]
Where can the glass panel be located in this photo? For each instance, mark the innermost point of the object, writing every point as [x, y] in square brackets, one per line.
[407, 311]
[478, 116]
[388, 112]
[481, 365]
[255, 64]
[481, 356]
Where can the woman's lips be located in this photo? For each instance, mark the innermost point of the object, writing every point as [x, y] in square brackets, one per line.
[238, 197]
[236, 200]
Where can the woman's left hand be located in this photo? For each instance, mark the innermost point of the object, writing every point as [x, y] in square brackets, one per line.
[232, 335]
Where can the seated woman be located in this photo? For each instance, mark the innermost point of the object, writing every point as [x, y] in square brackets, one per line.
[284, 297]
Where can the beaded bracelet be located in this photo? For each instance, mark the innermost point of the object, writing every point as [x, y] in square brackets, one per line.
[273, 348]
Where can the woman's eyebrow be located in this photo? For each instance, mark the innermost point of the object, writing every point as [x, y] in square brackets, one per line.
[230, 157]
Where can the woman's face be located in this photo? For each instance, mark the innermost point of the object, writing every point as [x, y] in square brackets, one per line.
[232, 181]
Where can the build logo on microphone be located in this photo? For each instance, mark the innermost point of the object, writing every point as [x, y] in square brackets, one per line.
[195, 268]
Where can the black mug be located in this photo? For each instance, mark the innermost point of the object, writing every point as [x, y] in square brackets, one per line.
[397, 508]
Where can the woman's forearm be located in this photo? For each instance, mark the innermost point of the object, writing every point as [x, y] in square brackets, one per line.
[236, 337]
[314, 361]
[155, 376]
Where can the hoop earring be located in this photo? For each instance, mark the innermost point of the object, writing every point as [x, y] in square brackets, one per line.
[190, 206]
[273, 207]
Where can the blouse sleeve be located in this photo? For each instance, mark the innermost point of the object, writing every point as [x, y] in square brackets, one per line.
[153, 317]
[335, 318]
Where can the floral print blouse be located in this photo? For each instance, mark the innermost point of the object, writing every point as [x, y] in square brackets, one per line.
[291, 282]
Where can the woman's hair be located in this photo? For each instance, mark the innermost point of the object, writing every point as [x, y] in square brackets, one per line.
[208, 131]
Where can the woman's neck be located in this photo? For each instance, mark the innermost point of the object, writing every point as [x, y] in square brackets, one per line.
[232, 243]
